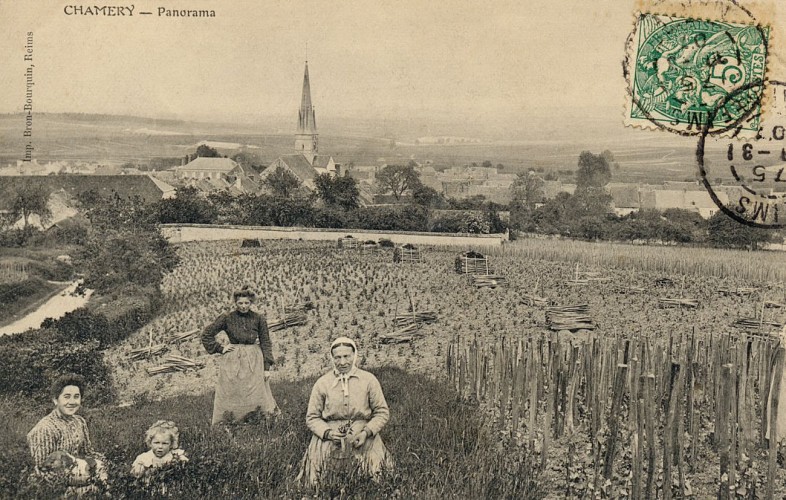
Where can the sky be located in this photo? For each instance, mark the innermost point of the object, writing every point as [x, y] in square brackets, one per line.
[496, 61]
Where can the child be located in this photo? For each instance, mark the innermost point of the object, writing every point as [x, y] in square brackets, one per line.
[162, 439]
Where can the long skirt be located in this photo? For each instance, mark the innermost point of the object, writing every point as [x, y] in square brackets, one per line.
[327, 457]
[242, 387]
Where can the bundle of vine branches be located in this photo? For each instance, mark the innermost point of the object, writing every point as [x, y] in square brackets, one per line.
[773, 305]
[533, 300]
[175, 363]
[406, 334]
[572, 317]
[179, 337]
[741, 291]
[146, 352]
[348, 242]
[488, 280]
[472, 263]
[302, 307]
[756, 325]
[664, 282]
[415, 318]
[666, 302]
[405, 254]
[294, 319]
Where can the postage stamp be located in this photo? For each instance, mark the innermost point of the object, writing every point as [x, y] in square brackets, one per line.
[686, 75]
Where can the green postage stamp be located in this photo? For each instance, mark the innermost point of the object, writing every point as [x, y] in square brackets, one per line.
[690, 76]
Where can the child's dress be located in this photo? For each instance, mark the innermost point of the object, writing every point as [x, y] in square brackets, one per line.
[148, 460]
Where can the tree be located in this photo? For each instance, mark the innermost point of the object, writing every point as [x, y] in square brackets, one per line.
[526, 191]
[203, 150]
[593, 171]
[187, 207]
[31, 198]
[341, 191]
[725, 232]
[609, 157]
[282, 182]
[124, 246]
[399, 179]
[427, 197]
[247, 160]
[590, 202]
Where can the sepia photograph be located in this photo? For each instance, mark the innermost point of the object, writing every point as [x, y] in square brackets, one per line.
[411, 250]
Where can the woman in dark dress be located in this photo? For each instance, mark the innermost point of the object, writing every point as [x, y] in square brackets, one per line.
[243, 384]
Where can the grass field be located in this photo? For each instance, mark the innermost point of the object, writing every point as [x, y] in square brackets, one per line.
[441, 446]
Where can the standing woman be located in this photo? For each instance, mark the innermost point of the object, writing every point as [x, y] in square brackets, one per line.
[243, 379]
[346, 412]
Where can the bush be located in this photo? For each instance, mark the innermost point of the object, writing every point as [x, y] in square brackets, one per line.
[33, 360]
[52, 270]
[394, 218]
[12, 292]
[11, 238]
[131, 308]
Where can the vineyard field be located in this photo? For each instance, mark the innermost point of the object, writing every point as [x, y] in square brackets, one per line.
[360, 295]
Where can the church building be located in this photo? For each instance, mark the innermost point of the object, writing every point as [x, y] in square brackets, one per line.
[306, 162]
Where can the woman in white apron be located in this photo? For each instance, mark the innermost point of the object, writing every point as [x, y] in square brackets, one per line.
[346, 412]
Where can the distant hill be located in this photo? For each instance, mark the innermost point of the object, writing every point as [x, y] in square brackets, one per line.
[534, 142]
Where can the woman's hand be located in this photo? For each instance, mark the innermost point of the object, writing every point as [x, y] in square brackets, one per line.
[335, 436]
[360, 440]
[228, 348]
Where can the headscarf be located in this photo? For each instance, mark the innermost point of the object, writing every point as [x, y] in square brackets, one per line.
[343, 378]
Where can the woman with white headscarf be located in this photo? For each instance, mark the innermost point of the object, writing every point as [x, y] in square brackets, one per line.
[346, 412]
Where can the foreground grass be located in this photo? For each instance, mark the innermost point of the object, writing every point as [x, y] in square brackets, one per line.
[441, 446]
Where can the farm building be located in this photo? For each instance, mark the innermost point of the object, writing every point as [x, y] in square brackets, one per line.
[209, 168]
[694, 200]
[625, 198]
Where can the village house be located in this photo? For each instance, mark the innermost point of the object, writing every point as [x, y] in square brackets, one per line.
[693, 200]
[209, 168]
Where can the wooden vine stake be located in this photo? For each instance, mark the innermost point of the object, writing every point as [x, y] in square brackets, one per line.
[616, 405]
[777, 374]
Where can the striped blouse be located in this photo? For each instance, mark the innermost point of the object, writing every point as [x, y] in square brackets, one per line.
[56, 432]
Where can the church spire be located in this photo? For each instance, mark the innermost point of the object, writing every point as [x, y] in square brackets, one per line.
[306, 137]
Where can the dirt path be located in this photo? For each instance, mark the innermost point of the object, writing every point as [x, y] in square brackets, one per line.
[55, 307]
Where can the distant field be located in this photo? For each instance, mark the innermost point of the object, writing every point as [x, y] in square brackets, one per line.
[643, 157]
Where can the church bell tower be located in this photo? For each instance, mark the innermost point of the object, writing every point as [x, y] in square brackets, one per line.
[306, 136]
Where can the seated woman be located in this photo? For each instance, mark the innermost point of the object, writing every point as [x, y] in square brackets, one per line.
[60, 442]
[346, 412]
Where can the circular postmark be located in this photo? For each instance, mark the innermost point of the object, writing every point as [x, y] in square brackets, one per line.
[686, 75]
[747, 178]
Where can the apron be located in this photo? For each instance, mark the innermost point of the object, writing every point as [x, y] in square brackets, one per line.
[242, 387]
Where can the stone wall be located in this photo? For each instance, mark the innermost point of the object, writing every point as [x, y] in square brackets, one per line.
[177, 233]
